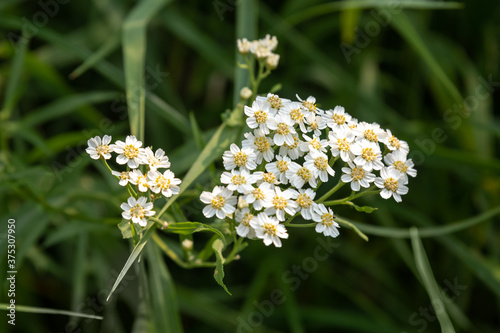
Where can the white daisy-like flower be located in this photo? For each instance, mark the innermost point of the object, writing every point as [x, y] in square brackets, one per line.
[275, 101]
[99, 147]
[368, 155]
[315, 123]
[292, 151]
[309, 105]
[318, 163]
[261, 144]
[294, 111]
[124, 177]
[129, 151]
[157, 160]
[337, 119]
[165, 182]
[283, 125]
[220, 201]
[340, 143]
[395, 144]
[241, 158]
[258, 196]
[371, 132]
[305, 200]
[244, 229]
[357, 176]
[280, 167]
[268, 229]
[314, 143]
[137, 210]
[259, 115]
[391, 181]
[269, 42]
[325, 221]
[266, 177]
[399, 161]
[281, 203]
[137, 178]
[299, 175]
[240, 181]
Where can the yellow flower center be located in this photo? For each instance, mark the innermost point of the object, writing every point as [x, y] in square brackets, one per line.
[275, 102]
[218, 201]
[143, 180]
[296, 115]
[283, 129]
[102, 149]
[238, 180]
[368, 154]
[315, 144]
[310, 106]
[260, 116]
[130, 151]
[304, 201]
[393, 141]
[314, 125]
[282, 165]
[391, 184]
[246, 219]
[258, 194]
[280, 202]
[370, 135]
[343, 144]
[304, 173]
[125, 175]
[327, 219]
[154, 161]
[138, 211]
[400, 166]
[357, 173]
[240, 159]
[269, 177]
[295, 143]
[321, 163]
[262, 144]
[163, 182]
[270, 228]
[338, 118]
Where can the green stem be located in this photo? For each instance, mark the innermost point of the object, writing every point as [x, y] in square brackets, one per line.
[134, 233]
[353, 227]
[304, 225]
[332, 191]
[234, 251]
[351, 197]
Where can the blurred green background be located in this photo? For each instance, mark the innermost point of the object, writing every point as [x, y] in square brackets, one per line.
[428, 70]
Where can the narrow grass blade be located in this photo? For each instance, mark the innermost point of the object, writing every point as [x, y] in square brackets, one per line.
[131, 259]
[430, 284]
[134, 56]
[162, 293]
[32, 309]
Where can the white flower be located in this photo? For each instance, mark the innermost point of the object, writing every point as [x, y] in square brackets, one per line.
[272, 60]
[261, 144]
[281, 202]
[165, 183]
[294, 111]
[158, 160]
[240, 181]
[337, 118]
[137, 178]
[395, 144]
[220, 202]
[340, 143]
[260, 195]
[368, 155]
[137, 210]
[283, 125]
[244, 229]
[397, 160]
[391, 183]
[314, 143]
[124, 177]
[315, 123]
[325, 221]
[357, 177]
[266, 177]
[243, 46]
[371, 132]
[242, 158]
[275, 101]
[268, 42]
[292, 151]
[259, 115]
[318, 163]
[299, 175]
[130, 151]
[269, 229]
[98, 147]
[305, 200]
[309, 105]
[280, 167]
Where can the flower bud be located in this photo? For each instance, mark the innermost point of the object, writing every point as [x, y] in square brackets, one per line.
[245, 93]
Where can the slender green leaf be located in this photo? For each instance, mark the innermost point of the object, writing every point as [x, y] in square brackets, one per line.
[218, 245]
[188, 228]
[32, 309]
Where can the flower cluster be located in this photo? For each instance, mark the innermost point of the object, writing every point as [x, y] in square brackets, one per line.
[288, 154]
[130, 153]
[262, 49]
